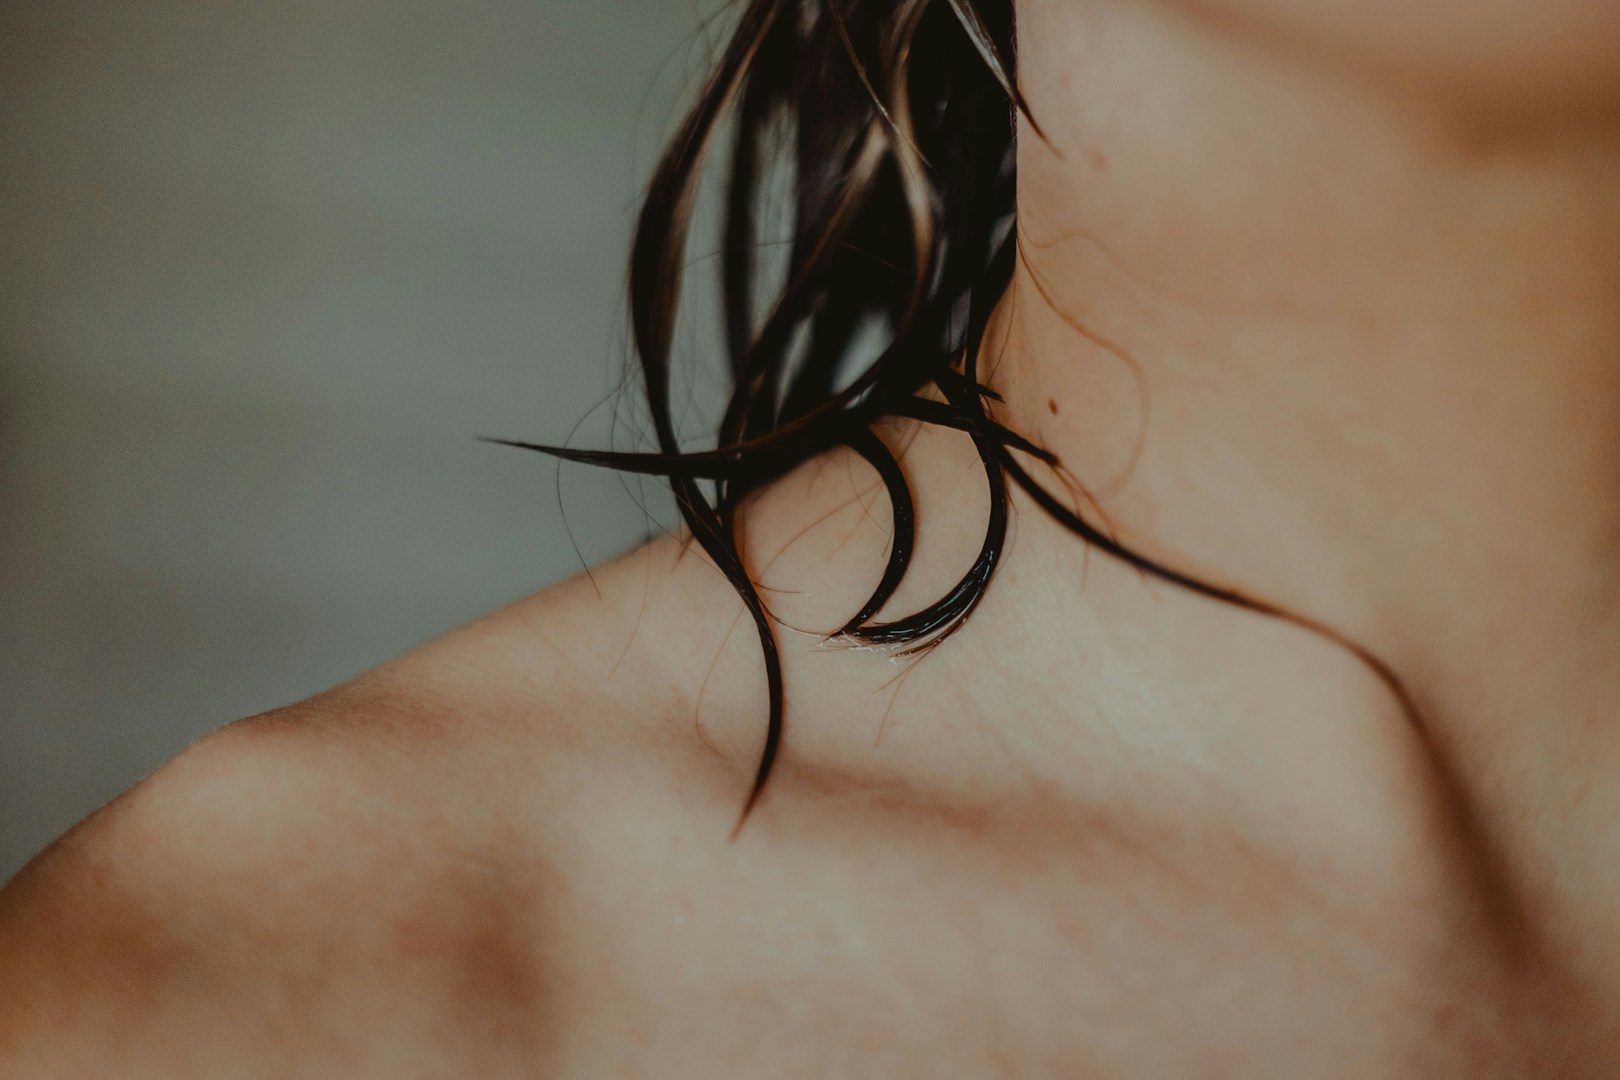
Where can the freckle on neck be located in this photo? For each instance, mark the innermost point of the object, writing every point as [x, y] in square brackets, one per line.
[1051, 406]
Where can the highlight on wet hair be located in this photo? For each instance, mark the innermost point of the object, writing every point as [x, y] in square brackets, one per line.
[895, 122]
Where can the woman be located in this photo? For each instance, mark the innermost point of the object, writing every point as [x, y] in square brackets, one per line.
[1298, 760]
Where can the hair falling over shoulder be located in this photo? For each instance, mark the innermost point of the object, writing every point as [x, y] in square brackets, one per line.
[894, 122]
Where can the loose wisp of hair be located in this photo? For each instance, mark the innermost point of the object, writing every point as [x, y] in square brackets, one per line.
[895, 121]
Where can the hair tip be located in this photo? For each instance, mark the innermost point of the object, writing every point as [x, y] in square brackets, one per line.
[742, 819]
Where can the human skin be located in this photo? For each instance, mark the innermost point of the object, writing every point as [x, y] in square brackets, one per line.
[1374, 311]
[1313, 309]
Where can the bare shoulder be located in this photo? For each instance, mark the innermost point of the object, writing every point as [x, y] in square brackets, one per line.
[395, 878]
[287, 896]
[363, 883]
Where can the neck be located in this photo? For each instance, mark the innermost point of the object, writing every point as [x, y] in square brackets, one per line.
[1349, 343]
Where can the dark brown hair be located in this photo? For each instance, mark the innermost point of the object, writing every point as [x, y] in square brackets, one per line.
[895, 121]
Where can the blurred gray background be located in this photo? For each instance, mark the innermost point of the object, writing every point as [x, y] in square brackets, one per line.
[267, 270]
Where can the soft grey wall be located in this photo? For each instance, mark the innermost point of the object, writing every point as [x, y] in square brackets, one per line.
[267, 269]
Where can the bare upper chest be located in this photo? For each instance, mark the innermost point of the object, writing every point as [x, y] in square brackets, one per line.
[893, 920]
[1007, 947]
